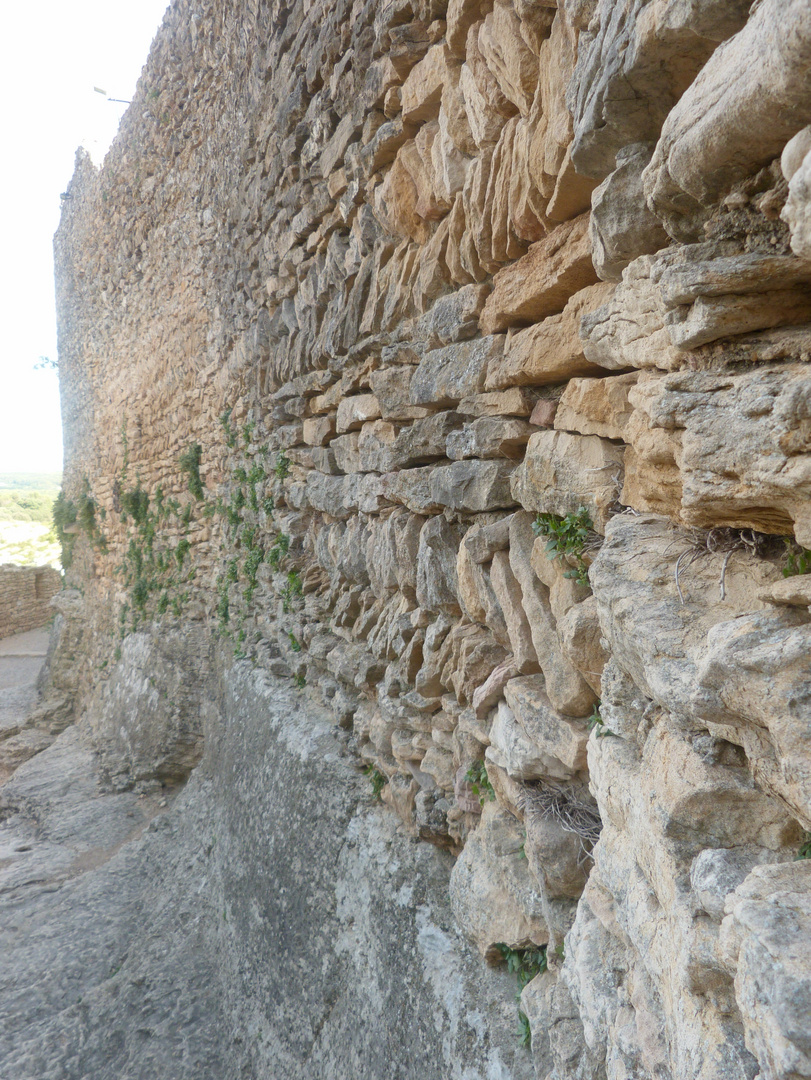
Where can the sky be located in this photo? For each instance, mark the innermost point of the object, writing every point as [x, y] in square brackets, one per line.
[52, 55]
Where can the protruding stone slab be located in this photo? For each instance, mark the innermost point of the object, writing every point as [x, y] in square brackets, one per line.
[540, 283]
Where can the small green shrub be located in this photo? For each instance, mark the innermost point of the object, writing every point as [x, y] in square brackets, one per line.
[567, 536]
[64, 515]
[230, 434]
[182, 550]
[295, 644]
[798, 560]
[805, 848]
[376, 779]
[280, 548]
[292, 590]
[282, 466]
[135, 504]
[252, 563]
[596, 723]
[525, 964]
[479, 781]
[189, 462]
[223, 609]
[300, 680]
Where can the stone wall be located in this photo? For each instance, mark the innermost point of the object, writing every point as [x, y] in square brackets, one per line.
[25, 597]
[450, 359]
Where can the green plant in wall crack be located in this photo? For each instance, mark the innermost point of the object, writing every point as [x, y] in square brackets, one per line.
[596, 723]
[798, 560]
[189, 462]
[230, 433]
[277, 553]
[568, 536]
[295, 644]
[282, 466]
[135, 504]
[293, 590]
[525, 964]
[376, 779]
[64, 515]
[805, 848]
[479, 782]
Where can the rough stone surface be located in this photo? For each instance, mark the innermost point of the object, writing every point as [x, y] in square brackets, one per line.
[332, 335]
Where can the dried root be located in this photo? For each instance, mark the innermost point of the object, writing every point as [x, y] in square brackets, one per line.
[702, 542]
[563, 806]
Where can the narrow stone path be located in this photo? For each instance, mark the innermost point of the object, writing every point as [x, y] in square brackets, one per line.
[21, 660]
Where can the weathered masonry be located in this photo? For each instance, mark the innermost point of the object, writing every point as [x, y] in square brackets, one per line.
[446, 362]
[25, 595]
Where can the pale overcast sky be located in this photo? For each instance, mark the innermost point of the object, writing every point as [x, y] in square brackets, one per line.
[54, 53]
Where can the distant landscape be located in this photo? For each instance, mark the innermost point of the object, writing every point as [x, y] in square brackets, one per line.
[27, 535]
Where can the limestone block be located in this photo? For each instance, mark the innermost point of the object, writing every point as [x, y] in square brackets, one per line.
[581, 641]
[342, 496]
[483, 541]
[540, 283]
[411, 488]
[555, 856]
[346, 453]
[424, 440]
[709, 271]
[749, 99]
[543, 414]
[391, 388]
[643, 55]
[508, 593]
[621, 226]
[486, 106]
[506, 54]
[563, 472]
[473, 487]
[720, 317]
[564, 592]
[493, 896]
[461, 15]
[797, 211]
[713, 655]
[489, 437]
[560, 738]
[395, 200]
[567, 690]
[421, 93]
[438, 764]
[477, 596]
[488, 694]
[516, 401]
[453, 318]
[474, 656]
[792, 592]
[767, 930]
[596, 406]
[717, 872]
[444, 376]
[512, 750]
[355, 411]
[550, 351]
[628, 331]
[376, 442]
[755, 671]
[758, 420]
[437, 588]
